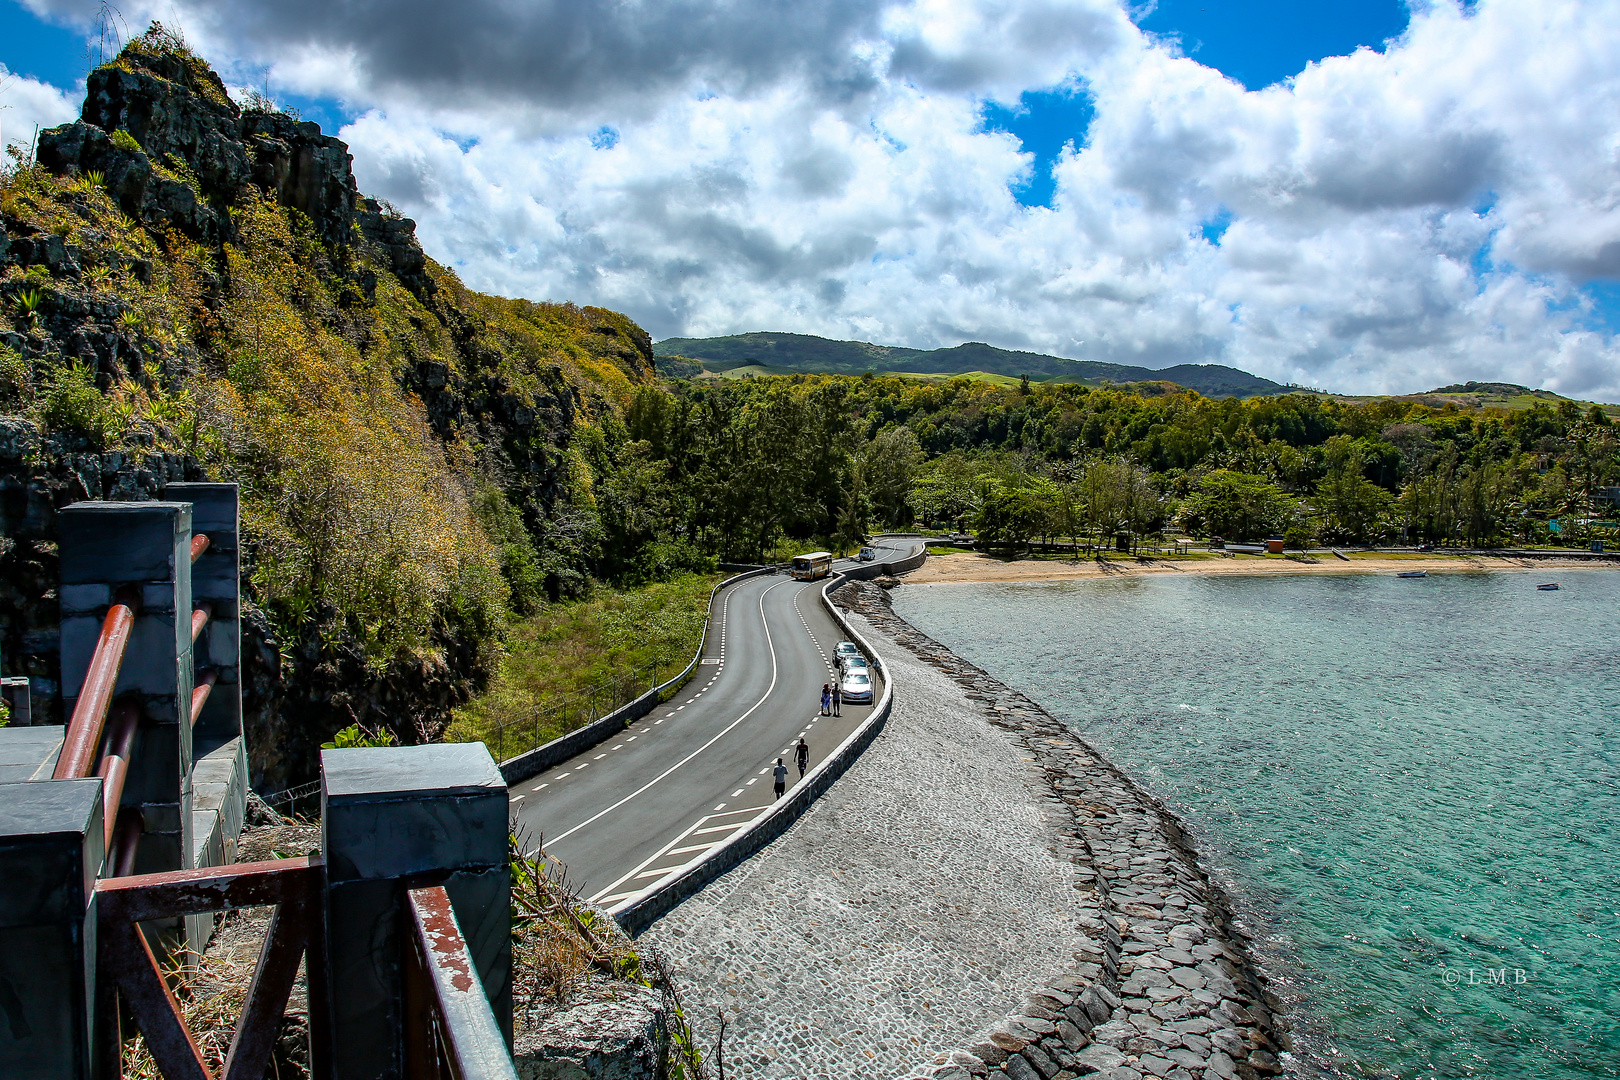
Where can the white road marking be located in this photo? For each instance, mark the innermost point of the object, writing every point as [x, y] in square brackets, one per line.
[541, 786]
[736, 793]
[770, 645]
[733, 827]
[752, 781]
[612, 891]
[519, 798]
[632, 738]
[598, 757]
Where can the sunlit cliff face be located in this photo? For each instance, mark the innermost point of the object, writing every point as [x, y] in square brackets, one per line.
[1439, 211]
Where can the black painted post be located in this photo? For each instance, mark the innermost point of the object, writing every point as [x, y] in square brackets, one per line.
[418, 815]
[50, 853]
[148, 544]
[18, 699]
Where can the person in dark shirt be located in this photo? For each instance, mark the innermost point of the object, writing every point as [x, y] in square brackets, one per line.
[837, 699]
[802, 754]
[780, 773]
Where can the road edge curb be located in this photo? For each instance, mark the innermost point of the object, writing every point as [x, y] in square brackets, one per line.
[639, 912]
[531, 763]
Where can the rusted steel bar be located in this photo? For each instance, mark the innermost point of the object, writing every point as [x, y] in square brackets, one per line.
[216, 888]
[199, 696]
[126, 844]
[114, 768]
[199, 544]
[199, 618]
[78, 755]
[284, 943]
[474, 1048]
[291, 884]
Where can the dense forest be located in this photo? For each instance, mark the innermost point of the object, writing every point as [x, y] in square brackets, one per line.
[736, 466]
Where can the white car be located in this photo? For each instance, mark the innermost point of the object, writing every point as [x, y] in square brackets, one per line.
[857, 687]
[867, 554]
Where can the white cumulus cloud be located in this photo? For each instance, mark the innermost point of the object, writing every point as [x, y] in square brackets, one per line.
[1394, 220]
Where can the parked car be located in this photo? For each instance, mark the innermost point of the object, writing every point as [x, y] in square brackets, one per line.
[843, 649]
[867, 554]
[856, 663]
[856, 687]
[960, 538]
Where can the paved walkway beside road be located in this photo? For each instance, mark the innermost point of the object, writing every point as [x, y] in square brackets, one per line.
[898, 915]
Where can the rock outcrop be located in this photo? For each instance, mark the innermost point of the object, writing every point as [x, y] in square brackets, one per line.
[160, 136]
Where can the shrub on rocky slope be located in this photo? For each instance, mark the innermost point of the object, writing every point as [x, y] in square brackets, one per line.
[193, 290]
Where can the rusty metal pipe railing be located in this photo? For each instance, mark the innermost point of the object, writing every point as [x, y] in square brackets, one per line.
[199, 696]
[90, 712]
[126, 843]
[199, 544]
[442, 987]
[114, 769]
[199, 618]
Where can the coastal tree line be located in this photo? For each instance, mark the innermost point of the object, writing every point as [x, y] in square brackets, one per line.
[751, 469]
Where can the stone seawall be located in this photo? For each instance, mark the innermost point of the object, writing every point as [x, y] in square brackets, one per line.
[1165, 984]
[984, 899]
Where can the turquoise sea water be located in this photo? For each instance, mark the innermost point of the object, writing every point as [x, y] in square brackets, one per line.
[1412, 785]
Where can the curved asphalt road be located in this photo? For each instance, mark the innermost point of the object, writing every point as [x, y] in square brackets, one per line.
[642, 805]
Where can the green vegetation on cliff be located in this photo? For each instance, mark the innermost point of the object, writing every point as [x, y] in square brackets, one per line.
[188, 290]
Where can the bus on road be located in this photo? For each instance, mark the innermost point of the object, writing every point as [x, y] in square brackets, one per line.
[817, 564]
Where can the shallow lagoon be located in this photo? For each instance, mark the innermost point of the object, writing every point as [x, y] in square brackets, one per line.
[1414, 785]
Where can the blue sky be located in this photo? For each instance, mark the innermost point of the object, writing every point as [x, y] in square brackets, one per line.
[1256, 42]
[1441, 205]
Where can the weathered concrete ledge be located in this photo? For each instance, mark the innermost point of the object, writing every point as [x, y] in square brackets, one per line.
[1166, 986]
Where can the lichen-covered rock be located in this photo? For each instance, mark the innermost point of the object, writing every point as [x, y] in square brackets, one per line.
[616, 1031]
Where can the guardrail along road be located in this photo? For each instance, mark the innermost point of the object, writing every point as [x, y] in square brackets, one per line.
[637, 808]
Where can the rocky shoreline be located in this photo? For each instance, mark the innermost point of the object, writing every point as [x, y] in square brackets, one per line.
[1164, 984]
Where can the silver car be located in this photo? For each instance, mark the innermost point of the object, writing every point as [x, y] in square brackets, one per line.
[856, 663]
[857, 687]
[844, 650]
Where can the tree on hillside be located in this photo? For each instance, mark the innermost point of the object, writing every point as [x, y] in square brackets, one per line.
[1238, 506]
[888, 465]
[1354, 509]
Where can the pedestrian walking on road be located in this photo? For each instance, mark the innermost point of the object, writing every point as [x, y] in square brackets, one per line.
[826, 700]
[837, 699]
[780, 773]
[802, 754]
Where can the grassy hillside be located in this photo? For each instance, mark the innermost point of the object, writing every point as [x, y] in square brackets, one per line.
[777, 353]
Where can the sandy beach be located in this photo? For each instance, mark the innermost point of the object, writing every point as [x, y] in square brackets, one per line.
[961, 567]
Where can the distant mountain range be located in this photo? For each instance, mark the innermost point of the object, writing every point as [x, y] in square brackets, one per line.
[803, 352]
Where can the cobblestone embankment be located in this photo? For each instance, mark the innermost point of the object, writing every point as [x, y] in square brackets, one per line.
[1164, 985]
[951, 875]
[961, 868]
[902, 913]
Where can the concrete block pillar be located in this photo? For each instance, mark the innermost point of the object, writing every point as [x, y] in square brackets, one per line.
[50, 853]
[16, 692]
[215, 582]
[393, 816]
[105, 545]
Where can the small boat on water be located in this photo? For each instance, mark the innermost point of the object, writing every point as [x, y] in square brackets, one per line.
[1551, 586]
[1413, 573]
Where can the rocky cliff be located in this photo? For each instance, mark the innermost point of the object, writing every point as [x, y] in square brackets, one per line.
[190, 289]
